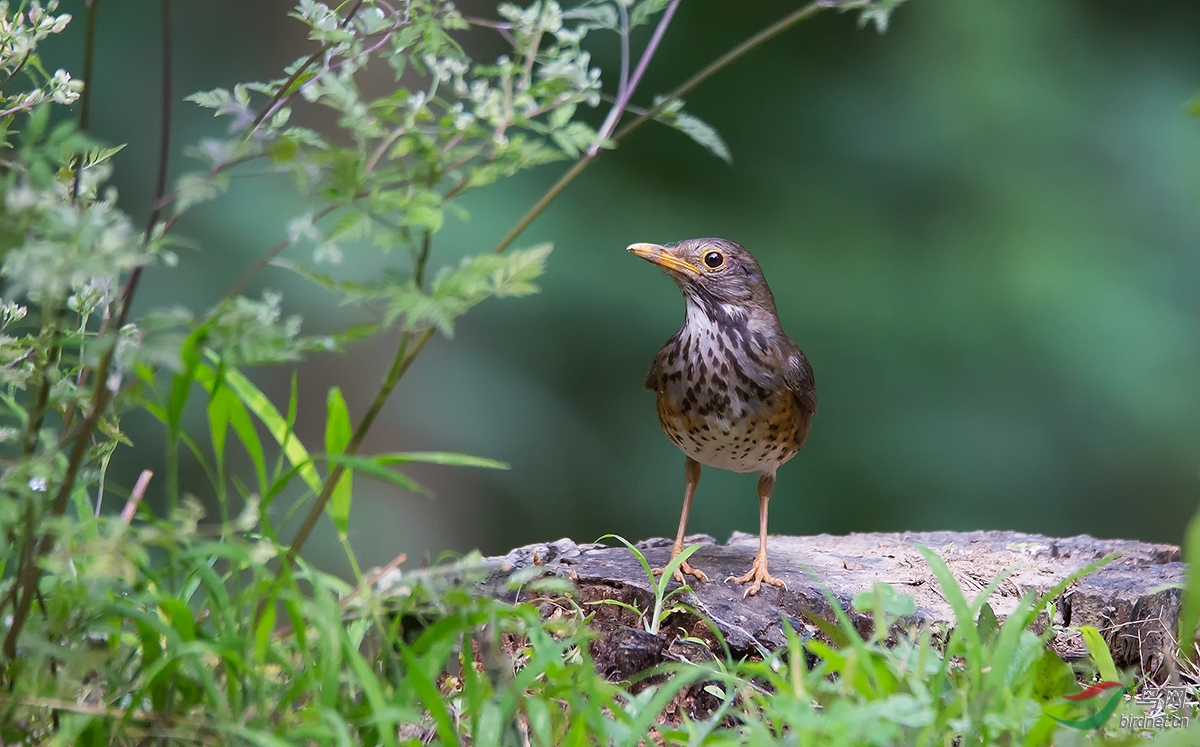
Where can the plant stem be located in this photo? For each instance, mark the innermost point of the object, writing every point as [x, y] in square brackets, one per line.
[284, 93]
[164, 141]
[716, 66]
[267, 256]
[85, 96]
[164, 155]
[625, 93]
[770, 32]
[623, 79]
[409, 348]
[28, 574]
[411, 345]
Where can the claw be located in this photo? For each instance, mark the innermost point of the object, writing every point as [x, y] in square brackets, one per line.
[758, 576]
[682, 569]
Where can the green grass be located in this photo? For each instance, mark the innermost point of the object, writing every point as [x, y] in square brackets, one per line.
[425, 659]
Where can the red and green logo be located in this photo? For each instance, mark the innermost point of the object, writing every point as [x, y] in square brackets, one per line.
[1105, 712]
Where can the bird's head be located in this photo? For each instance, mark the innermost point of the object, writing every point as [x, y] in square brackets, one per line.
[712, 271]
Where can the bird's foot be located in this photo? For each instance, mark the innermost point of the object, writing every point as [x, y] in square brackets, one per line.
[682, 569]
[756, 577]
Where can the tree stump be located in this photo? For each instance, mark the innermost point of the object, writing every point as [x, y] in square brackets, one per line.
[1133, 601]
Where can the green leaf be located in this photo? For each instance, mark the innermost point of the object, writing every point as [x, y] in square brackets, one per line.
[263, 631]
[427, 691]
[338, 433]
[645, 10]
[439, 457]
[1098, 648]
[180, 616]
[194, 189]
[213, 99]
[884, 598]
[1054, 677]
[964, 623]
[636, 553]
[280, 430]
[239, 418]
[218, 421]
[1189, 616]
[989, 626]
[370, 467]
[1193, 106]
[672, 566]
[456, 290]
[704, 134]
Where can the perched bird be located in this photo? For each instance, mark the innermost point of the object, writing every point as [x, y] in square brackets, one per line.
[733, 390]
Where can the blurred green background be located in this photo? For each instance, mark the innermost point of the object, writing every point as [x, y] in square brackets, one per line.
[981, 226]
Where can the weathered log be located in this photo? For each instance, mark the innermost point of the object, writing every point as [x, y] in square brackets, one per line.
[1133, 601]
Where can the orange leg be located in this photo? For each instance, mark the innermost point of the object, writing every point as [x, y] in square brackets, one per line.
[691, 475]
[757, 576]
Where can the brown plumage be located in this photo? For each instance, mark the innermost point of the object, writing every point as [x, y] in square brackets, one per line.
[733, 390]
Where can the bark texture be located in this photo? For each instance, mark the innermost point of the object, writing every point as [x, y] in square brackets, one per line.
[1133, 601]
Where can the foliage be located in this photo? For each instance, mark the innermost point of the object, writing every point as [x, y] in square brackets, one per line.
[660, 579]
[156, 621]
[159, 622]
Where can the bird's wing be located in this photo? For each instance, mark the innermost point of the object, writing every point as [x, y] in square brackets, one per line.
[798, 376]
[654, 377]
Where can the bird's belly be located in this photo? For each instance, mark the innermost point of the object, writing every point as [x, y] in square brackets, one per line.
[741, 436]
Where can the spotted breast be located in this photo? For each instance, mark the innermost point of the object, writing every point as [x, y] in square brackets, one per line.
[721, 397]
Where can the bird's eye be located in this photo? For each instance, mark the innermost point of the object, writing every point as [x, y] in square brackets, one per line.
[714, 260]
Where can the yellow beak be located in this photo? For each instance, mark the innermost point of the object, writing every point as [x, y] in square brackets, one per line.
[660, 256]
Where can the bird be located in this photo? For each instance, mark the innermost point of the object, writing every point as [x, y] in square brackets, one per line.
[733, 390]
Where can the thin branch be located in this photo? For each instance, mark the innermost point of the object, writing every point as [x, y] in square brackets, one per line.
[29, 573]
[164, 156]
[270, 254]
[411, 345]
[20, 66]
[717, 65]
[543, 202]
[623, 96]
[135, 498]
[423, 259]
[284, 93]
[722, 62]
[164, 140]
[85, 96]
[623, 81]
[409, 348]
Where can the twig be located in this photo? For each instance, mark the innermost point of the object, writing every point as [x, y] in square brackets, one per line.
[28, 574]
[85, 96]
[20, 66]
[135, 498]
[720, 63]
[270, 254]
[770, 32]
[623, 80]
[411, 345]
[626, 93]
[284, 93]
[409, 348]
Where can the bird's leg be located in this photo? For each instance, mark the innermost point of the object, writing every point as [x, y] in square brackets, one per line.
[757, 574]
[691, 475]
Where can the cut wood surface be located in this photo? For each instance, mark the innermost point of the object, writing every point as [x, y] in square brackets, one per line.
[1133, 601]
